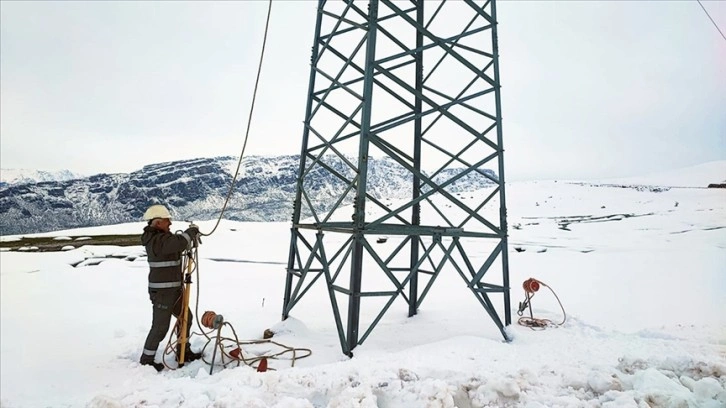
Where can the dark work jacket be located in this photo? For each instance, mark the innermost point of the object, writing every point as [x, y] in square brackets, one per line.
[164, 251]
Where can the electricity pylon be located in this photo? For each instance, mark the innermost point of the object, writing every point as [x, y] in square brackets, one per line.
[419, 87]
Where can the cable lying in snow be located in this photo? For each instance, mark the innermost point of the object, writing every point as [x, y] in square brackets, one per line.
[531, 286]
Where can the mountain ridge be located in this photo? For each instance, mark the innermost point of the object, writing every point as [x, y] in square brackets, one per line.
[196, 189]
[10, 177]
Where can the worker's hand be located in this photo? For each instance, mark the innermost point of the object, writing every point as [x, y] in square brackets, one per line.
[193, 233]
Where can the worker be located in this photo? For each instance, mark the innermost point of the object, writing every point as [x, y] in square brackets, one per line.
[164, 250]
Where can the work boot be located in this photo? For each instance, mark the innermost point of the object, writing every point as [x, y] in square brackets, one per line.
[150, 362]
[189, 355]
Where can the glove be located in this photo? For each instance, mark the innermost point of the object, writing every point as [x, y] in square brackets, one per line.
[193, 233]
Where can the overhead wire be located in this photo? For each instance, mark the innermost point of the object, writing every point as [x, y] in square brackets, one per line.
[237, 354]
[249, 122]
[710, 18]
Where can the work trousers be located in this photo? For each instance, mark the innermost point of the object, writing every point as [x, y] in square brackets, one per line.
[167, 302]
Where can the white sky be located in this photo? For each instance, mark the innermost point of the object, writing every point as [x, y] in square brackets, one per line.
[590, 89]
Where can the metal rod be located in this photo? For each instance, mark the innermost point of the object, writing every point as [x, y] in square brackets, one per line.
[502, 196]
[298, 195]
[185, 311]
[360, 202]
[214, 353]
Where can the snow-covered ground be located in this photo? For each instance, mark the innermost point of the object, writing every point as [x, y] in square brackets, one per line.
[641, 274]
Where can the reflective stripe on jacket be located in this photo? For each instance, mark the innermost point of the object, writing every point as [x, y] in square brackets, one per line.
[164, 251]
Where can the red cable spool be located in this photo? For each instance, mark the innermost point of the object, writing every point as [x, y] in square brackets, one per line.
[531, 285]
[208, 319]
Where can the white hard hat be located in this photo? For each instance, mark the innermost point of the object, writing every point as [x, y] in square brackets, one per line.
[156, 211]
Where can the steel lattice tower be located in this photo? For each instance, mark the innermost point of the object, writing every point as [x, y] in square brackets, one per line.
[418, 87]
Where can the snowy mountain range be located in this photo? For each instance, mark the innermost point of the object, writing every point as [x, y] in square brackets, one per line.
[192, 189]
[24, 176]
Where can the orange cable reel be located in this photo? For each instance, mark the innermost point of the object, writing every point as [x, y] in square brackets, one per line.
[531, 286]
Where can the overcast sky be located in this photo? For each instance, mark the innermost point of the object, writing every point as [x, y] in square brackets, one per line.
[590, 89]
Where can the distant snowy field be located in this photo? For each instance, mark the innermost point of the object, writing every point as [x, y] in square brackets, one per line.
[640, 272]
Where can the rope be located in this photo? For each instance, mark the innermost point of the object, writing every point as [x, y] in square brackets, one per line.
[208, 319]
[249, 122]
[234, 353]
[709, 17]
[531, 286]
[232, 356]
[231, 350]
